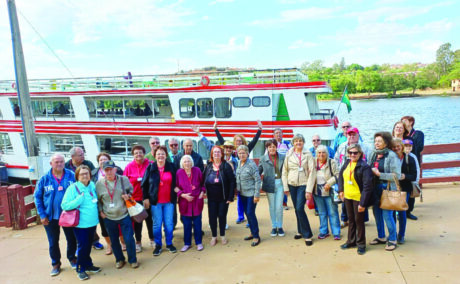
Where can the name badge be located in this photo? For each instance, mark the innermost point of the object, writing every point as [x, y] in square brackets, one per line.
[300, 169]
[193, 187]
[216, 180]
[139, 179]
[111, 205]
[161, 183]
[350, 182]
[94, 200]
[60, 188]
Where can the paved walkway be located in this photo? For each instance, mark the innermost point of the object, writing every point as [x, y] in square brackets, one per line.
[430, 255]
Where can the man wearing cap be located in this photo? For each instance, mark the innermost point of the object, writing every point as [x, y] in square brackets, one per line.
[342, 155]
[408, 145]
[48, 198]
[112, 192]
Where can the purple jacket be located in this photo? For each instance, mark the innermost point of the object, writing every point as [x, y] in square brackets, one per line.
[195, 207]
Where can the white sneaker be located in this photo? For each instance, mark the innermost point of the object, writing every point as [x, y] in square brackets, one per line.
[226, 226]
[138, 248]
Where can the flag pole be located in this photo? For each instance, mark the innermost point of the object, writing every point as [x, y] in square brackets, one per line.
[343, 94]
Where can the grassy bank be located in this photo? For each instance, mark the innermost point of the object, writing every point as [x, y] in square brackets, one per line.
[400, 94]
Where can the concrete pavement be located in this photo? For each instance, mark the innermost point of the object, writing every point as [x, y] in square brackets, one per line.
[431, 253]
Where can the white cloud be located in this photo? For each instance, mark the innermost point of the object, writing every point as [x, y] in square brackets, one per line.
[302, 44]
[233, 45]
[287, 16]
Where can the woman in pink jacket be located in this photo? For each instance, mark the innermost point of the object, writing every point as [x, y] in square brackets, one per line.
[190, 192]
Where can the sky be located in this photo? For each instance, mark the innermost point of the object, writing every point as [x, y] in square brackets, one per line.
[112, 37]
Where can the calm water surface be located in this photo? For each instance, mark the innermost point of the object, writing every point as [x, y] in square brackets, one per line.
[437, 117]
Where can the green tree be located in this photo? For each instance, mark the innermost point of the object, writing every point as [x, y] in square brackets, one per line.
[394, 82]
[444, 58]
[355, 67]
[367, 81]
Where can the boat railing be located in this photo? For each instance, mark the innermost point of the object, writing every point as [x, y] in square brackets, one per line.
[160, 81]
[323, 114]
[439, 149]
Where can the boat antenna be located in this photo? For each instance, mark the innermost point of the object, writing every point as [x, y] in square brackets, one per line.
[46, 43]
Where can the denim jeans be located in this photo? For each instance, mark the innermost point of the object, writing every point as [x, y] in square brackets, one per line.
[53, 230]
[402, 219]
[163, 214]
[298, 200]
[240, 208]
[85, 242]
[127, 231]
[327, 209]
[382, 217]
[250, 211]
[275, 205]
[189, 222]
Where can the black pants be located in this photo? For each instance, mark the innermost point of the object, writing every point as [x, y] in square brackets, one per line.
[217, 209]
[138, 226]
[298, 200]
[411, 203]
[355, 223]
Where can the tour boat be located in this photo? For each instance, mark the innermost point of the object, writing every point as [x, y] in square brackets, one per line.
[112, 114]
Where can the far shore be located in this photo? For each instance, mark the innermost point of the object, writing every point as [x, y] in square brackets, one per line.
[401, 94]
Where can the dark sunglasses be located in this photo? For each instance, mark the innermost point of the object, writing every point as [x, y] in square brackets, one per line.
[346, 126]
[316, 140]
[353, 152]
[173, 145]
[155, 143]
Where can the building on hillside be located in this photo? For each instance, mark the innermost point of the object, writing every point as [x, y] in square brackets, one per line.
[456, 85]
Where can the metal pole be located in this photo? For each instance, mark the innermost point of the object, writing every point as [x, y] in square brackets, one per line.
[31, 143]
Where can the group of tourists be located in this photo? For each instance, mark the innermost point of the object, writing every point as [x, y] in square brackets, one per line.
[165, 178]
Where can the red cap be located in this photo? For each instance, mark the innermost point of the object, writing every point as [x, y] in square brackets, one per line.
[353, 129]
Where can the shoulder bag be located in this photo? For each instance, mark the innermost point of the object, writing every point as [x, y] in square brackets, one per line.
[135, 210]
[335, 188]
[70, 218]
[394, 199]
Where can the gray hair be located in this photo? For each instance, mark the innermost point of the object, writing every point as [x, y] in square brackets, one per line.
[298, 136]
[154, 138]
[322, 148]
[73, 151]
[317, 135]
[243, 147]
[57, 155]
[277, 129]
[173, 139]
[184, 157]
[357, 147]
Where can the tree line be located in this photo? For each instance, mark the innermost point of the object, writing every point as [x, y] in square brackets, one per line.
[385, 78]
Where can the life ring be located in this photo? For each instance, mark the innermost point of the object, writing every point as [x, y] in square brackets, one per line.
[205, 81]
[335, 120]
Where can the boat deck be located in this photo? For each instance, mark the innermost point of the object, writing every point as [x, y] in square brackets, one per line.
[430, 255]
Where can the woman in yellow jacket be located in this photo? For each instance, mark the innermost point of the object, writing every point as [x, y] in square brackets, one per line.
[299, 178]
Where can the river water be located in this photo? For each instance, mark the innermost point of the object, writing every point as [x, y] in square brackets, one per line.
[438, 118]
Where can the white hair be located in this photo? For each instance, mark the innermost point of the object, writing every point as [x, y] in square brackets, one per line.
[322, 148]
[184, 157]
[73, 151]
[57, 155]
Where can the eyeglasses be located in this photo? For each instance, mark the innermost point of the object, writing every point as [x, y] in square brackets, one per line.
[173, 145]
[84, 174]
[353, 152]
[346, 126]
[155, 143]
[316, 140]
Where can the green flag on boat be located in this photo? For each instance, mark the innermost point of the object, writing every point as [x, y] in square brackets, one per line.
[346, 99]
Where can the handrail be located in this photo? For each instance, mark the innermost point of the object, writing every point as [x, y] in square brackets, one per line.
[439, 149]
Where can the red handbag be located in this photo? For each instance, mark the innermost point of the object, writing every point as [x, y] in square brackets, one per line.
[311, 203]
[70, 218]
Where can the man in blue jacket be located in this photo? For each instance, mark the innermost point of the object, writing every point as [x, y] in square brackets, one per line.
[48, 198]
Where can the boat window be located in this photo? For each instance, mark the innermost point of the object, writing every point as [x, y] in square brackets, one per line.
[261, 101]
[121, 146]
[101, 107]
[187, 108]
[47, 107]
[5, 144]
[138, 108]
[204, 108]
[223, 107]
[242, 102]
[162, 108]
[60, 143]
